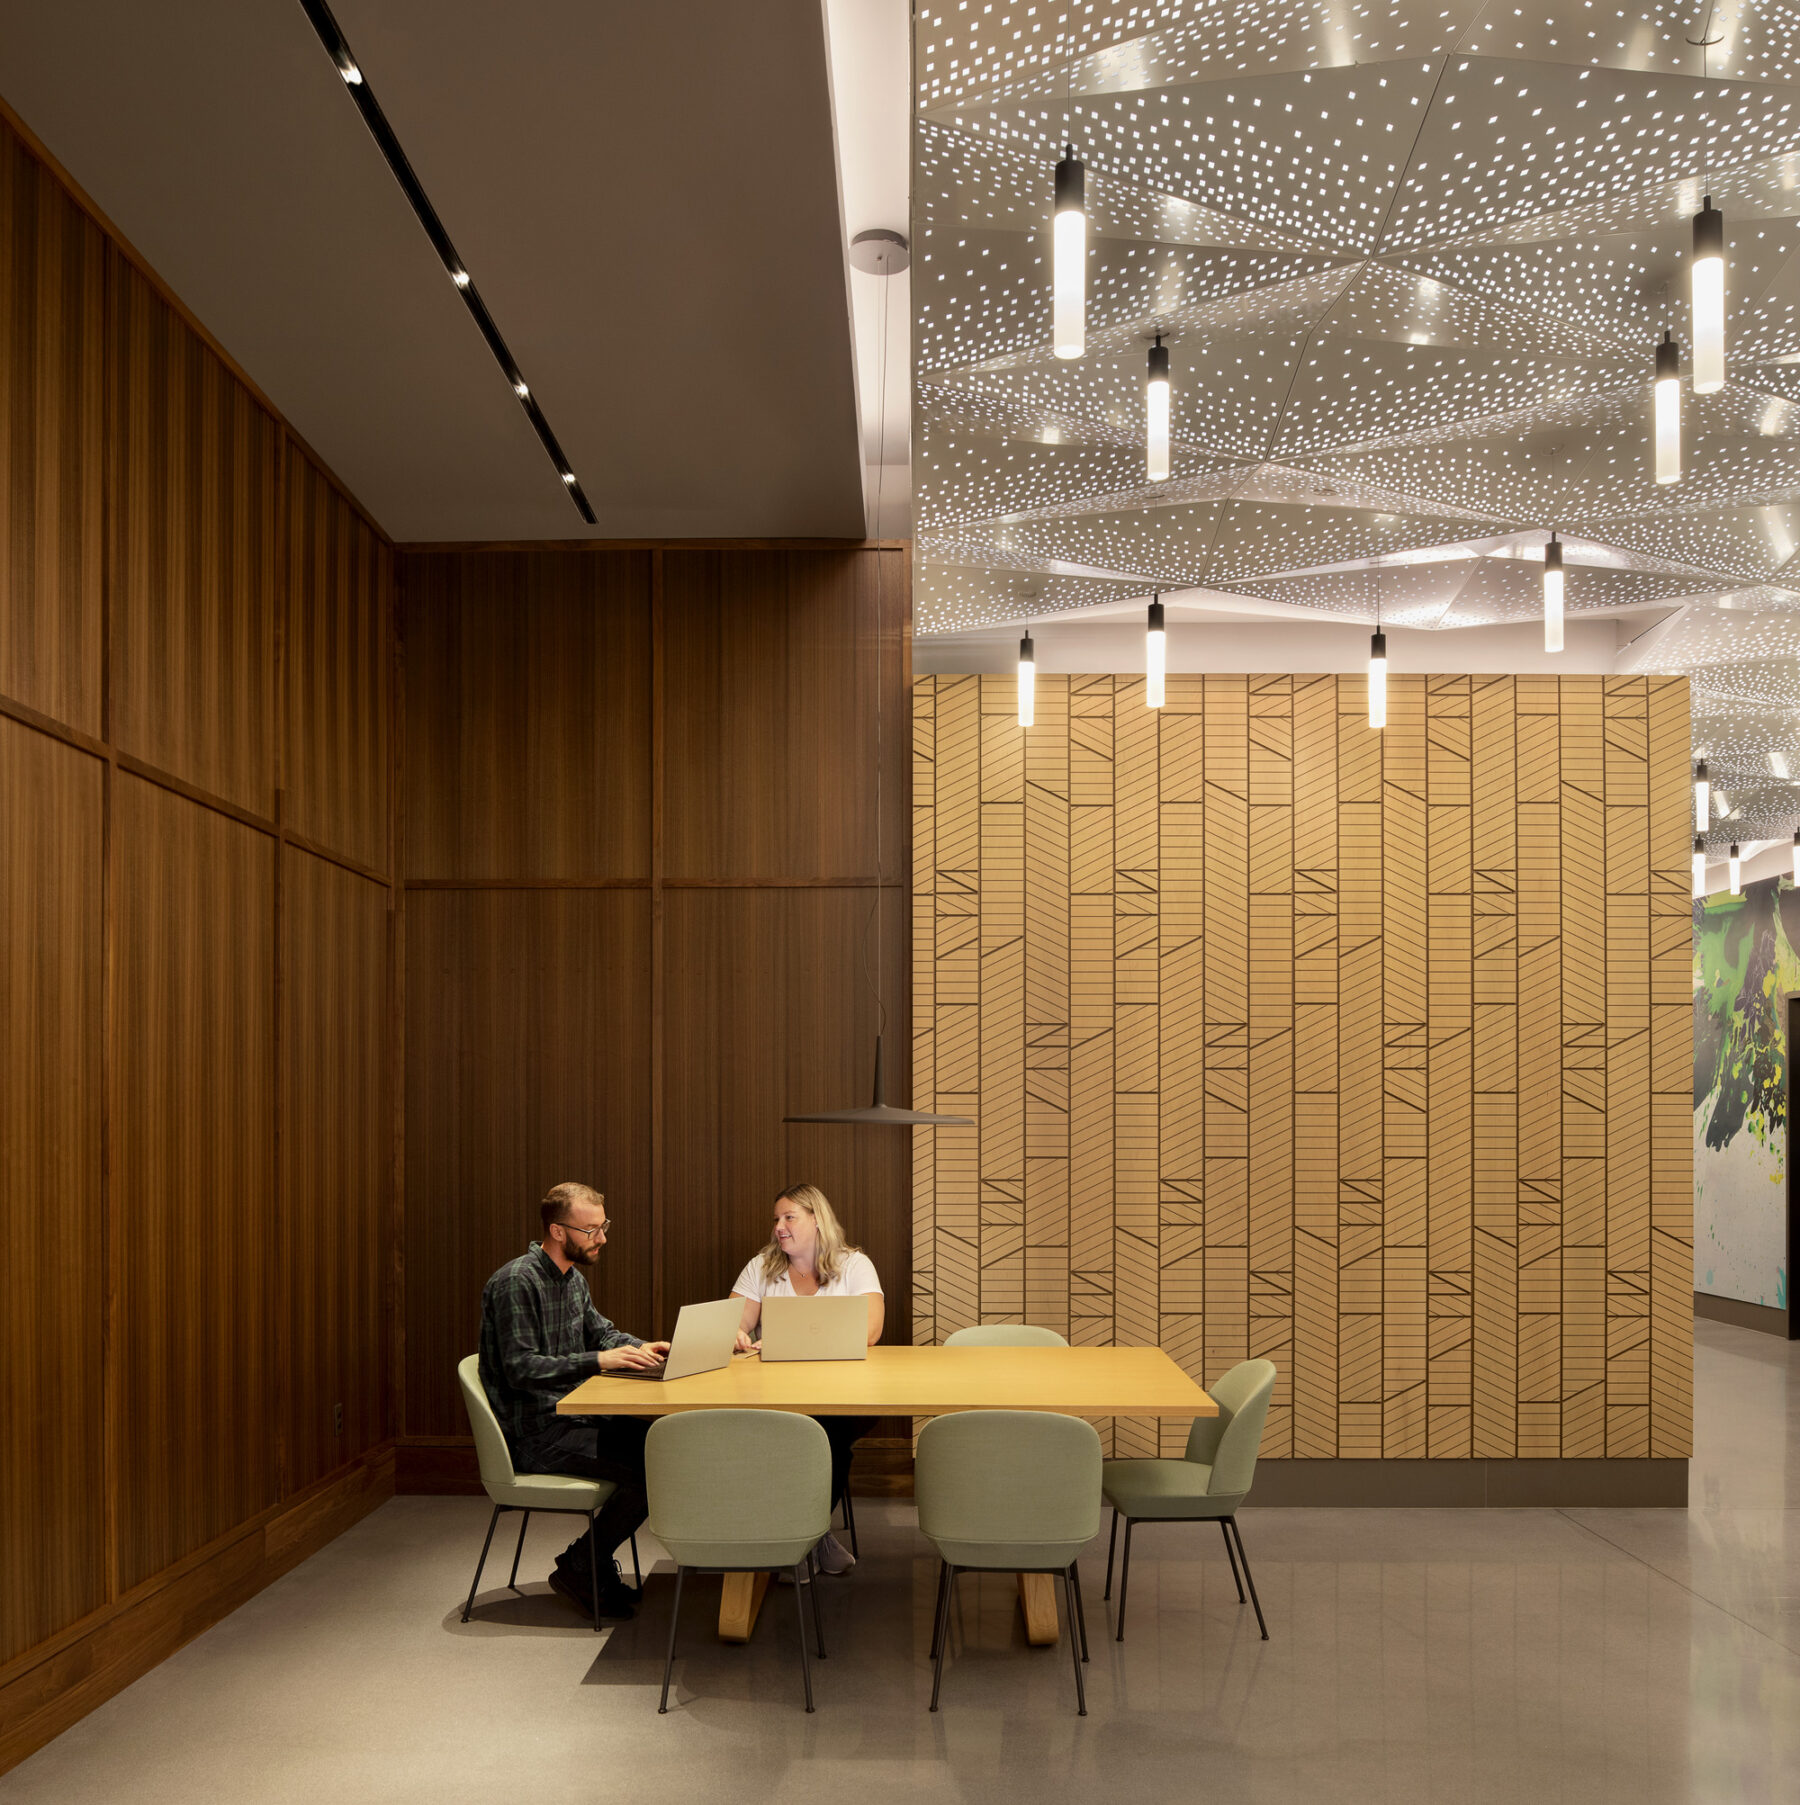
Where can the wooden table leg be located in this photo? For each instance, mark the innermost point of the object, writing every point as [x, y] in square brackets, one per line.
[1037, 1599]
[742, 1599]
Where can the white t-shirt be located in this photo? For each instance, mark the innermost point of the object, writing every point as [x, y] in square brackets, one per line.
[855, 1278]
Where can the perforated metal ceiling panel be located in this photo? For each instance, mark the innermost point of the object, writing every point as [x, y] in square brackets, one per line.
[1412, 263]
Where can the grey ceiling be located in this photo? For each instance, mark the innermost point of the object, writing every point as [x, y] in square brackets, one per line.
[646, 196]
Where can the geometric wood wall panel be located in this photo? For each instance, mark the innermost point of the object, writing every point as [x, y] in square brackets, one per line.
[1364, 1052]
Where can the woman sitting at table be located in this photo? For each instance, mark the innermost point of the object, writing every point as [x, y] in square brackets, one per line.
[808, 1257]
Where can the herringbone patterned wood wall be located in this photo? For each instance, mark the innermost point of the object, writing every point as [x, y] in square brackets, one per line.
[1365, 1052]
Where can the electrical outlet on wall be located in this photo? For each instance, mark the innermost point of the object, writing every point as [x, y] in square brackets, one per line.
[337, 1419]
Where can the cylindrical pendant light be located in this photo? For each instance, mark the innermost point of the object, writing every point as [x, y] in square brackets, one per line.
[1700, 864]
[1797, 858]
[1027, 682]
[1553, 595]
[1156, 414]
[1737, 871]
[1702, 798]
[1708, 279]
[1156, 656]
[1378, 680]
[1668, 410]
[1068, 277]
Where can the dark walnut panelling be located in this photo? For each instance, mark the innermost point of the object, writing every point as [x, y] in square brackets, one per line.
[193, 1176]
[336, 1125]
[52, 1506]
[771, 687]
[52, 392]
[767, 1012]
[528, 1030]
[193, 487]
[527, 714]
[339, 665]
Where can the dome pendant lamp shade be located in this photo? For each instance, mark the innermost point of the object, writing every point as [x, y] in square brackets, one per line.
[1156, 657]
[880, 1114]
[1702, 798]
[1068, 258]
[1027, 682]
[1553, 595]
[1737, 871]
[1378, 680]
[1707, 274]
[1668, 410]
[1156, 414]
[1700, 864]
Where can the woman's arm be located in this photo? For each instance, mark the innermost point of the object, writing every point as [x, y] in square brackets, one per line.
[877, 1313]
[747, 1327]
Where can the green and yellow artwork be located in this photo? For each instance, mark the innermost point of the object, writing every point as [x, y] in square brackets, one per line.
[1745, 969]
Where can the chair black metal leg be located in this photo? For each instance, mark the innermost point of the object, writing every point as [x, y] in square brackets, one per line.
[594, 1570]
[818, 1627]
[476, 1581]
[1112, 1541]
[943, 1635]
[1124, 1578]
[512, 1579]
[800, 1613]
[1080, 1608]
[1231, 1555]
[1245, 1558]
[637, 1572]
[937, 1607]
[850, 1521]
[674, 1624]
[1074, 1643]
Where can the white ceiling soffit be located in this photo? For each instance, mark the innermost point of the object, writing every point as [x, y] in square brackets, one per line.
[1412, 261]
[645, 195]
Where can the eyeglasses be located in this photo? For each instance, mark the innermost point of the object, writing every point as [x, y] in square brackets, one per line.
[596, 1232]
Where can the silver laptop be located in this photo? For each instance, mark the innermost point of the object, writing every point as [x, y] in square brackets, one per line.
[815, 1328]
[704, 1337]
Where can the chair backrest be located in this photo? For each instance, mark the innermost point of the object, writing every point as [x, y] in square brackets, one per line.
[1008, 1476]
[490, 1443]
[1228, 1442]
[724, 1480]
[1006, 1334]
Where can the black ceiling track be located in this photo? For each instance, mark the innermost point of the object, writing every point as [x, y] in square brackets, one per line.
[356, 84]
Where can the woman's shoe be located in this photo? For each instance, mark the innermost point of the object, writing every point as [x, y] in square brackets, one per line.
[832, 1556]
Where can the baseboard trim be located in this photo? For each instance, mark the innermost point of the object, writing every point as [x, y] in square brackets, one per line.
[46, 1690]
[1766, 1319]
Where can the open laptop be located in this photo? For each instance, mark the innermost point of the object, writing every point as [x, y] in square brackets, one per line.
[815, 1328]
[704, 1337]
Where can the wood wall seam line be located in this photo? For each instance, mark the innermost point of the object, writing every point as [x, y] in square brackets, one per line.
[658, 951]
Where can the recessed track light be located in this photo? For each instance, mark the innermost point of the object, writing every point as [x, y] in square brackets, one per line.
[338, 49]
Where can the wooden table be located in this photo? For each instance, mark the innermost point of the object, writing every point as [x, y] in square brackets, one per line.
[913, 1381]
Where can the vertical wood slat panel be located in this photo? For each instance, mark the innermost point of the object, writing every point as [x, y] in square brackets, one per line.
[52, 1515]
[193, 588]
[1435, 1015]
[194, 1112]
[52, 420]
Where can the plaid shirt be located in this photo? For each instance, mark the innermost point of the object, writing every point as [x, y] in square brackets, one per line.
[540, 1335]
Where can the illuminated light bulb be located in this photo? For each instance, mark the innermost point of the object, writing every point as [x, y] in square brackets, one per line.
[1553, 595]
[1156, 414]
[1668, 410]
[1778, 765]
[1156, 657]
[1700, 864]
[568, 477]
[460, 277]
[1068, 281]
[351, 74]
[1027, 682]
[1708, 290]
[1702, 798]
[1378, 680]
[520, 390]
[1737, 871]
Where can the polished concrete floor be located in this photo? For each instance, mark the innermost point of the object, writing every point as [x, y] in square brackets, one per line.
[1417, 1655]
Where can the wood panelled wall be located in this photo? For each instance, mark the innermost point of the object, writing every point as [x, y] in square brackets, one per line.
[197, 1126]
[641, 870]
[1365, 1052]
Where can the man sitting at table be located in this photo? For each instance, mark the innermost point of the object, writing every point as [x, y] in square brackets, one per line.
[540, 1337]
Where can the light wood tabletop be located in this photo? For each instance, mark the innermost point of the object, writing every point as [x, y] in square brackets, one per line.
[917, 1381]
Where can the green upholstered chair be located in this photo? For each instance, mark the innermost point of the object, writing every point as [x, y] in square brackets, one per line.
[1207, 1484]
[554, 1492]
[740, 1491]
[1009, 1491]
[1006, 1334]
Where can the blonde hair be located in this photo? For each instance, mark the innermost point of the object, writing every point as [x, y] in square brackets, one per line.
[834, 1250]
